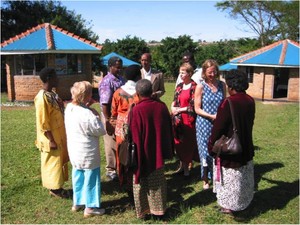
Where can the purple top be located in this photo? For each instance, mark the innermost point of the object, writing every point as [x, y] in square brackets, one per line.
[108, 86]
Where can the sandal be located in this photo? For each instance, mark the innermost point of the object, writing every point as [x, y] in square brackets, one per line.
[60, 193]
[226, 211]
[76, 208]
[205, 186]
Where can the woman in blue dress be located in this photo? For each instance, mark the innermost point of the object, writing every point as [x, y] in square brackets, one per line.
[208, 96]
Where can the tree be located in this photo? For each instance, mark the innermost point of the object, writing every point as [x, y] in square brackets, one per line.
[171, 52]
[224, 50]
[131, 48]
[18, 16]
[268, 19]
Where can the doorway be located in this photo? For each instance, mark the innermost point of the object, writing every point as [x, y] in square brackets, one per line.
[281, 83]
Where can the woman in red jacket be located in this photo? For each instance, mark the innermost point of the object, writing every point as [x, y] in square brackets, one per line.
[236, 187]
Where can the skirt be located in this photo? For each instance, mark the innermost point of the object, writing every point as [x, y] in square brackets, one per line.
[235, 190]
[150, 195]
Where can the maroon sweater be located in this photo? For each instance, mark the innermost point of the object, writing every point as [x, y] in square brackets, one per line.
[152, 133]
[244, 110]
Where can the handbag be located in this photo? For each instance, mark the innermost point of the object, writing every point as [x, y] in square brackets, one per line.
[127, 148]
[228, 146]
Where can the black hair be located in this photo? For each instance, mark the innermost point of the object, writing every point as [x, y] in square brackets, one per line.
[113, 61]
[46, 74]
[190, 55]
[237, 80]
[132, 72]
[144, 88]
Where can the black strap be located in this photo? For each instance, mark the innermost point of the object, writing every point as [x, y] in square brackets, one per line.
[129, 135]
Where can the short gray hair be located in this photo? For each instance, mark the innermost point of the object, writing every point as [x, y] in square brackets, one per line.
[144, 88]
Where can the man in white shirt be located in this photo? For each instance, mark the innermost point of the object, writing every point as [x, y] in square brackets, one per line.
[156, 77]
[188, 57]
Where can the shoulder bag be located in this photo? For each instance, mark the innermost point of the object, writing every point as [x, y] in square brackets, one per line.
[127, 148]
[229, 146]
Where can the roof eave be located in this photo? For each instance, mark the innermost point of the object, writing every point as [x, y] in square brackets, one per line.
[266, 65]
[49, 52]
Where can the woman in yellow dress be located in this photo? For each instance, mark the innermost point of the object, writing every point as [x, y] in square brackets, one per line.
[51, 135]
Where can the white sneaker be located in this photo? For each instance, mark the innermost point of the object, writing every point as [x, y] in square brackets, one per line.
[93, 212]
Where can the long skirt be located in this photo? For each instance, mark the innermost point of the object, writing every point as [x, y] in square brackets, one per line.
[236, 188]
[86, 187]
[54, 171]
[150, 195]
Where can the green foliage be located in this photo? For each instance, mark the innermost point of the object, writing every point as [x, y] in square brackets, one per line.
[223, 51]
[131, 48]
[276, 198]
[171, 52]
[18, 16]
[270, 20]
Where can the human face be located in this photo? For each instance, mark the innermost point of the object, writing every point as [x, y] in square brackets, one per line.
[211, 72]
[145, 61]
[184, 75]
[186, 59]
[116, 69]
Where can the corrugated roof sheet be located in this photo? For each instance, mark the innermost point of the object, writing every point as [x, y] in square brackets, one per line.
[126, 61]
[281, 53]
[48, 38]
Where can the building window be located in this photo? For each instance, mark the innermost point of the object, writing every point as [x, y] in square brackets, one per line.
[68, 64]
[29, 64]
[250, 72]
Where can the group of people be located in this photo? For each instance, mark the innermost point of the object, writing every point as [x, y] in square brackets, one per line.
[199, 115]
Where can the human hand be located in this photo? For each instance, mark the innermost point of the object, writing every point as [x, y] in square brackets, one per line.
[109, 128]
[175, 110]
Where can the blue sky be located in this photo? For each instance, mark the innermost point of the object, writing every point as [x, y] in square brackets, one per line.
[156, 20]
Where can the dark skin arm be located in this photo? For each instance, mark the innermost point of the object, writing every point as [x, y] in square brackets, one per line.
[53, 145]
[106, 111]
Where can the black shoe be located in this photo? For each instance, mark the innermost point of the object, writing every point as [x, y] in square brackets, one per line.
[60, 193]
[112, 177]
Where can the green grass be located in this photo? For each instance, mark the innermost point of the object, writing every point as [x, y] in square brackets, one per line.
[276, 200]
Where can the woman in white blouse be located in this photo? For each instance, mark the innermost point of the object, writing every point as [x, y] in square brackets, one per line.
[83, 128]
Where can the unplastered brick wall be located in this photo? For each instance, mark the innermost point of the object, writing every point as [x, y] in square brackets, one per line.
[293, 91]
[26, 87]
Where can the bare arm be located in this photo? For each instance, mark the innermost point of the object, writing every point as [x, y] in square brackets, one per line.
[198, 103]
[50, 137]
[107, 113]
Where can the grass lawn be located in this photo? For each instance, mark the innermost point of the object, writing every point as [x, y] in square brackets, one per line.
[276, 199]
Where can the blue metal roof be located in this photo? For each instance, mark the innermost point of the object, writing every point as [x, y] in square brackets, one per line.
[227, 67]
[126, 62]
[283, 53]
[47, 38]
[34, 41]
[65, 42]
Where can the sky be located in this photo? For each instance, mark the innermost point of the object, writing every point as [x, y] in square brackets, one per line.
[156, 20]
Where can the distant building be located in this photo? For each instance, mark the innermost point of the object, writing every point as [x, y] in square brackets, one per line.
[273, 71]
[42, 46]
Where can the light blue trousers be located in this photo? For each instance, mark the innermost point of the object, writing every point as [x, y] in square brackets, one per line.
[86, 187]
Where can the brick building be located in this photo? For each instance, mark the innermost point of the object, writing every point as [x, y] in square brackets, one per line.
[273, 71]
[42, 46]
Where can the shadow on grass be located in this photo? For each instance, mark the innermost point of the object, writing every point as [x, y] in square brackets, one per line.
[273, 198]
[178, 186]
[276, 197]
